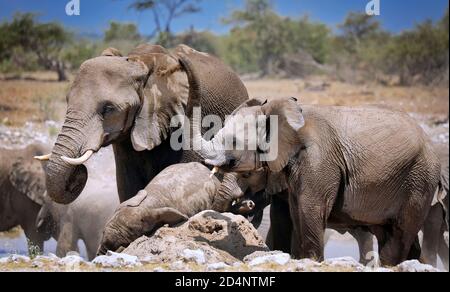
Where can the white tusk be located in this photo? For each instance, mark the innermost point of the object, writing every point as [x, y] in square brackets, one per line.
[78, 161]
[43, 157]
[214, 171]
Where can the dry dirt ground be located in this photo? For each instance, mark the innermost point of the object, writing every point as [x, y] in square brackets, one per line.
[39, 97]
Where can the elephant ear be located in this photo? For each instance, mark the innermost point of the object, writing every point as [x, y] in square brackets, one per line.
[169, 216]
[28, 178]
[164, 95]
[286, 139]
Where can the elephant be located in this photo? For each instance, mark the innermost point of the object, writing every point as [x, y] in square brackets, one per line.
[84, 219]
[434, 242]
[348, 167]
[177, 193]
[129, 102]
[22, 189]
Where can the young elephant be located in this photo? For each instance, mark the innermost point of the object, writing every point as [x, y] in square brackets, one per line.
[345, 167]
[83, 220]
[177, 193]
[22, 188]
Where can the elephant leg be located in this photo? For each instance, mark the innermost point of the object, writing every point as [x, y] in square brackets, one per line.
[91, 248]
[365, 244]
[415, 251]
[402, 242]
[443, 247]
[308, 218]
[67, 241]
[280, 232]
[432, 235]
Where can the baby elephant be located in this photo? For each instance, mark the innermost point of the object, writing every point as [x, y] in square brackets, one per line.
[177, 193]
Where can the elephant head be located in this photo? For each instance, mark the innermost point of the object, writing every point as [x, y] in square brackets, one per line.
[130, 222]
[27, 178]
[114, 98]
[251, 189]
[283, 138]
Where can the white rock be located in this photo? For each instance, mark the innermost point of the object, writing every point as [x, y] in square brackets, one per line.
[116, 260]
[148, 260]
[279, 259]
[305, 264]
[178, 266]
[345, 262]
[71, 260]
[217, 266]
[194, 255]
[15, 259]
[415, 266]
[159, 270]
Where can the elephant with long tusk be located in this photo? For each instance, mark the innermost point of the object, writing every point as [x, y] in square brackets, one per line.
[129, 102]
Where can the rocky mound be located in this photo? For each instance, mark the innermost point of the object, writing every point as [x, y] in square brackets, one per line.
[209, 241]
[208, 237]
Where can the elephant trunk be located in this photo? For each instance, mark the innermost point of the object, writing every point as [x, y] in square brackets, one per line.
[66, 180]
[228, 191]
[212, 151]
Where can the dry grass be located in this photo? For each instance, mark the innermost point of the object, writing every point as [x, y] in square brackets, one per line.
[41, 98]
[32, 100]
[425, 100]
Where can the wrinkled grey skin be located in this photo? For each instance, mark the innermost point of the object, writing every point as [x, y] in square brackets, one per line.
[177, 193]
[84, 219]
[22, 188]
[434, 243]
[129, 102]
[346, 168]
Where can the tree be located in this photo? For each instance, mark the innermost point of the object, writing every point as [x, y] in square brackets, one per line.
[164, 12]
[359, 26]
[204, 41]
[267, 31]
[122, 31]
[23, 35]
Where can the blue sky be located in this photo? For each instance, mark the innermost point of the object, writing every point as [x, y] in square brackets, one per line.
[396, 15]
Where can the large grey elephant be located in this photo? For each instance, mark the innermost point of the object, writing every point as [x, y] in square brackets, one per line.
[22, 188]
[345, 167]
[177, 193]
[84, 219]
[129, 102]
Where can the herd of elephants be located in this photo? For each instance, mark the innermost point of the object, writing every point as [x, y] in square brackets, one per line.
[368, 170]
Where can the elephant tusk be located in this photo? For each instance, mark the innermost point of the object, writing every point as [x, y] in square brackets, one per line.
[214, 171]
[80, 160]
[43, 157]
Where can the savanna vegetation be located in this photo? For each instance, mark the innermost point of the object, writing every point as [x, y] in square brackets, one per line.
[260, 42]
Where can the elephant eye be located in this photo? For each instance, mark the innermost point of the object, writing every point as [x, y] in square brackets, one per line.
[246, 175]
[108, 109]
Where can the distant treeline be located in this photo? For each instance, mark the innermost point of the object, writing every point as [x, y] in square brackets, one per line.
[260, 42]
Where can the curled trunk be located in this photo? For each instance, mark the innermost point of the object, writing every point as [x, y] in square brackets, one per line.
[210, 80]
[228, 191]
[65, 182]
